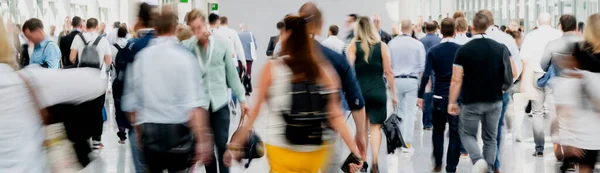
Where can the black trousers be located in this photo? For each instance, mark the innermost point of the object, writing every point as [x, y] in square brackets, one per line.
[219, 122]
[440, 117]
[82, 122]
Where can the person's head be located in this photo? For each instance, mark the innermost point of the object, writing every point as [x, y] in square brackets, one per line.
[243, 27]
[76, 22]
[145, 17]
[406, 27]
[518, 36]
[503, 28]
[580, 26]
[481, 22]
[350, 20]
[116, 24]
[461, 25]
[183, 32]
[544, 19]
[366, 33]
[489, 15]
[102, 27]
[304, 59]
[591, 33]
[280, 27]
[197, 23]
[333, 30]
[92, 24]
[316, 23]
[514, 25]
[213, 19]
[437, 25]
[567, 23]
[166, 24]
[52, 29]
[224, 20]
[83, 25]
[395, 30]
[430, 27]
[123, 25]
[122, 32]
[447, 27]
[6, 48]
[33, 29]
[458, 14]
[377, 21]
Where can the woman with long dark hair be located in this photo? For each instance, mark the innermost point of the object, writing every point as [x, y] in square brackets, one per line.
[302, 66]
[371, 60]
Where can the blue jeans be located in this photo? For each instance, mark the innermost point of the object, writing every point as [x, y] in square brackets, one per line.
[505, 100]
[440, 118]
[427, 113]
[136, 154]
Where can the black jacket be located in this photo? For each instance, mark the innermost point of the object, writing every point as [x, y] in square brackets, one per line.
[272, 43]
[65, 48]
[385, 37]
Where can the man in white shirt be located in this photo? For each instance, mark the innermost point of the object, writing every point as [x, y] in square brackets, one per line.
[532, 51]
[333, 42]
[93, 107]
[222, 29]
[461, 31]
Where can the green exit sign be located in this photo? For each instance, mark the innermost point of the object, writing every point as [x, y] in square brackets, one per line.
[214, 7]
[183, 1]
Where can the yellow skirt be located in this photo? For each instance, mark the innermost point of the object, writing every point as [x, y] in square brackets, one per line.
[284, 160]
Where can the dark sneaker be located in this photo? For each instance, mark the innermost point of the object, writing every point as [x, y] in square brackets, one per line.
[437, 169]
[97, 145]
[365, 167]
[538, 154]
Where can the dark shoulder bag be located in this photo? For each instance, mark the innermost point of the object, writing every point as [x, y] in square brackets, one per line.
[307, 117]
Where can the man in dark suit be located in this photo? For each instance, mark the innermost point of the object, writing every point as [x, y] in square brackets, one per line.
[385, 37]
[274, 39]
[67, 40]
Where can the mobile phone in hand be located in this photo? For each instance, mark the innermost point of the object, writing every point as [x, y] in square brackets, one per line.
[352, 158]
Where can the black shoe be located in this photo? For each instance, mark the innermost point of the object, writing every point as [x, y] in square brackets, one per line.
[437, 169]
[365, 167]
[427, 128]
[538, 154]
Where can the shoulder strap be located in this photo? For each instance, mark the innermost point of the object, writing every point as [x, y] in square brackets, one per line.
[118, 47]
[44, 50]
[83, 39]
[97, 40]
[44, 114]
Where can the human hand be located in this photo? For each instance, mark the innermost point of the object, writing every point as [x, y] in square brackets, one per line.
[244, 108]
[233, 152]
[453, 109]
[355, 167]
[395, 101]
[420, 103]
[570, 151]
[204, 152]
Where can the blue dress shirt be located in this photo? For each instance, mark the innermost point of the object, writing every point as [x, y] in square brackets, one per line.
[50, 56]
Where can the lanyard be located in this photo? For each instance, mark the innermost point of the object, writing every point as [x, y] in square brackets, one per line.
[201, 62]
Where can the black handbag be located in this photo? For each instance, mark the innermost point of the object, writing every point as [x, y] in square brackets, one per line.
[168, 138]
[254, 148]
[391, 129]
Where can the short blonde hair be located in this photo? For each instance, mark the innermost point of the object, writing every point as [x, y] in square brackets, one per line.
[7, 51]
[193, 15]
[458, 14]
[591, 33]
[183, 33]
[461, 24]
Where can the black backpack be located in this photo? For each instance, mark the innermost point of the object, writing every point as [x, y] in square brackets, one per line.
[307, 117]
[89, 55]
[120, 64]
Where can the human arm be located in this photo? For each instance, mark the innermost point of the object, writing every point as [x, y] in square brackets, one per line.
[65, 86]
[233, 80]
[75, 46]
[425, 79]
[387, 69]
[456, 82]
[546, 57]
[509, 71]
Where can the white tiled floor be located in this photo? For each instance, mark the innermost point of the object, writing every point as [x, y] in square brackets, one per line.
[515, 157]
